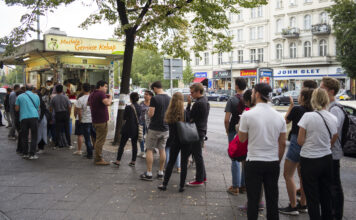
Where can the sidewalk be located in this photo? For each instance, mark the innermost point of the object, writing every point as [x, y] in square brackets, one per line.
[62, 186]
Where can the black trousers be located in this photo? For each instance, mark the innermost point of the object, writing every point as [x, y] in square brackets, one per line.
[26, 125]
[173, 155]
[337, 192]
[62, 122]
[123, 141]
[195, 150]
[317, 180]
[256, 174]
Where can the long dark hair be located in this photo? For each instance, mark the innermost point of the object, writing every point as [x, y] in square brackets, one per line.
[306, 94]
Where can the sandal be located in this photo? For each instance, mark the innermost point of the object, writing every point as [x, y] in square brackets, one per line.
[115, 163]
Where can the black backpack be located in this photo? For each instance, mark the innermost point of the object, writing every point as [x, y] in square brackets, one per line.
[348, 137]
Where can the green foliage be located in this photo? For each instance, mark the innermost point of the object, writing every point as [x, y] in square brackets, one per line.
[14, 76]
[343, 14]
[188, 75]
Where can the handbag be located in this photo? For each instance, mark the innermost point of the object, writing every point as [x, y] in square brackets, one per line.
[237, 150]
[140, 127]
[187, 132]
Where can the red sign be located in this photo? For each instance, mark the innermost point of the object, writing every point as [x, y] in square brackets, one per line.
[248, 73]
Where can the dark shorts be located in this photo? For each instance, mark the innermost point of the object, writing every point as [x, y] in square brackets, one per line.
[78, 128]
[293, 153]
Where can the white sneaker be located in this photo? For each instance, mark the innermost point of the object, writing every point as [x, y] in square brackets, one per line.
[141, 154]
[34, 157]
[144, 156]
[78, 152]
[40, 152]
[26, 156]
[70, 147]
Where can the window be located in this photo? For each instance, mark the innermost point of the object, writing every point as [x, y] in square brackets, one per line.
[292, 22]
[279, 4]
[307, 22]
[259, 11]
[253, 55]
[206, 58]
[260, 54]
[220, 58]
[240, 56]
[308, 1]
[239, 15]
[253, 34]
[279, 25]
[324, 18]
[231, 17]
[197, 60]
[260, 32]
[307, 49]
[292, 50]
[256, 12]
[322, 48]
[239, 35]
[279, 51]
[253, 13]
[292, 2]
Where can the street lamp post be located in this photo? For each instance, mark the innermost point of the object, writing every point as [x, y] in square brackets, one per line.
[231, 78]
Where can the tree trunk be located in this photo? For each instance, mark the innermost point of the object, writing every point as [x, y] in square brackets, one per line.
[125, 81]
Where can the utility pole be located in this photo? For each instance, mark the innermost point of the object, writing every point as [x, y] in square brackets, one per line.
[38, 27]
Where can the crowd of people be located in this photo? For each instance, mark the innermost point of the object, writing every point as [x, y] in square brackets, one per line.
[314, 150]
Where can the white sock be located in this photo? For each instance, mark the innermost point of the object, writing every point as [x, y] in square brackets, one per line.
[160, 172]
[149, 173]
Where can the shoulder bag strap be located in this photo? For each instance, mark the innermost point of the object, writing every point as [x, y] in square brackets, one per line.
[134, 109]
[325, 124]
[31, 100]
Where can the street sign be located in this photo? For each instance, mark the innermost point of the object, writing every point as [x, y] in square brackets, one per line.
[174, 66]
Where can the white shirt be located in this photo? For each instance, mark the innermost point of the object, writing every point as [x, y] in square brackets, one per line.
[82, 104]
[264, 126]
[317, 141]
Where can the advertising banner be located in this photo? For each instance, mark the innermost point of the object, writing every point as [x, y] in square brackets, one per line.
[248, 73]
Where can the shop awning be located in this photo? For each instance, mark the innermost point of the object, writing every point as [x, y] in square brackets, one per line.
[199, 80]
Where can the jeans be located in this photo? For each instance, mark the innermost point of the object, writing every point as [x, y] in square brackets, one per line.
[317, 180]
[337, 192]
[26, 125]
[177, 163]
[12, 130]
[101, 130]
[258, 173]
[123, 141]
[238, 174]
[62, 122]
[88, 132]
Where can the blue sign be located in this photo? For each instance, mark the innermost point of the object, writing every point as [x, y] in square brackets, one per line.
[210, 84]
[266, 73]
[201, 75]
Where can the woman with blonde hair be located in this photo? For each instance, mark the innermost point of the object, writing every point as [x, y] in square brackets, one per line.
[317, 134]
[174, 114]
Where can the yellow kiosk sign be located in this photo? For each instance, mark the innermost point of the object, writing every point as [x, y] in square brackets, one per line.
[82, 45]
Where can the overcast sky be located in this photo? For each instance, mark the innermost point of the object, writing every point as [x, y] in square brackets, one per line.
[66, 18]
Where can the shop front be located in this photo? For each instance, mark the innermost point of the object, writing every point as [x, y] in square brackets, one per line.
[292, 78]
[250, 75]
[222, 80]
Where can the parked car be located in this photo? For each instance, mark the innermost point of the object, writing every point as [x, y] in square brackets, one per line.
[214, 96]
[284, 98]
[342, 95]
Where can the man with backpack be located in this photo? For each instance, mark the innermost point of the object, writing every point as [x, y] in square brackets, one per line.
[234, 108]
[332, 86]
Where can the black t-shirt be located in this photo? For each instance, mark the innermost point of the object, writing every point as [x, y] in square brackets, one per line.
[160, 102]
[295, 115]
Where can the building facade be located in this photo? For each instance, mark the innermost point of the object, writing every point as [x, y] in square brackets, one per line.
[282, 43]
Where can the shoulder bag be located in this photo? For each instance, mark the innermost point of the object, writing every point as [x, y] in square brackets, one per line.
[38, 110]
[325, 124]
[187, 132]
[140, 127]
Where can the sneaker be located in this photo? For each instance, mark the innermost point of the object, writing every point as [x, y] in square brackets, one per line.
[302, 208]
[160, 176]
[131, 164]
[78, 152]
[233, 191]
[34, 157]
[289, 210]
[144, 156]
[70, 147]
[25, 156]
[144, 176]
[40, 152]
[12, 138]
[242, 189]
[162, 187]
[54, 148]
[195, 183]
[102, 163]
[140, 154]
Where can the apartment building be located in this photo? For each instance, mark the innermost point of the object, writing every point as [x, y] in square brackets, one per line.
[282, 43]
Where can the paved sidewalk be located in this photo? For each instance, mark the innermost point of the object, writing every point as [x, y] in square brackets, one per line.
[62, 186]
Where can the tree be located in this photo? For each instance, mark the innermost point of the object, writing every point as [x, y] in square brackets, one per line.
[150, 24]
[188, 75]
[15, 76]
[343, 14]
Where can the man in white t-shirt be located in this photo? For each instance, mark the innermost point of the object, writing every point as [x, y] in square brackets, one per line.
[332, 86]
[85, 120]
[265, 129]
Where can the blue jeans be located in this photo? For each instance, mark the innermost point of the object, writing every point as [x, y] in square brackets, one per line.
[167, 158]
[88, 131]
[142, 143]
[238, 175]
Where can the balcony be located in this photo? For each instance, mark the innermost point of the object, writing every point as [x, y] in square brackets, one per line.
[305, 61]
[290, 32]
[321, 29]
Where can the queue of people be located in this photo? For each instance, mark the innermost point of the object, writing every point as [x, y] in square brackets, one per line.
[315, 146]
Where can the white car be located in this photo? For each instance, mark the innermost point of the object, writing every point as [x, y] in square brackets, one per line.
[342, 95]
